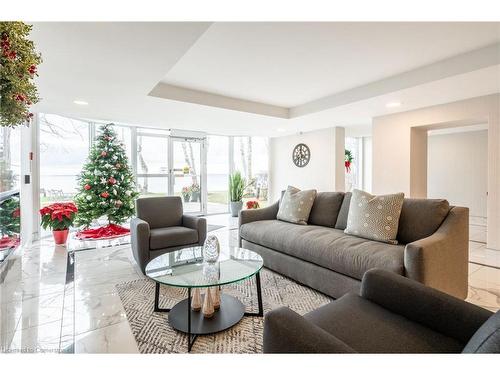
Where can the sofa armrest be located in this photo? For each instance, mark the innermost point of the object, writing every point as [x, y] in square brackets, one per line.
[197, 223]
[139, 237]
[430, 307]
[441, 260]
[266, 213]
[285, 331]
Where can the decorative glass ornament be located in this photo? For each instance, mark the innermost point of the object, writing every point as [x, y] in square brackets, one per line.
[211, 272]
[211, 249]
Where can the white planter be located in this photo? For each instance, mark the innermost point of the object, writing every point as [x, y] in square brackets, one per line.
[236, 208]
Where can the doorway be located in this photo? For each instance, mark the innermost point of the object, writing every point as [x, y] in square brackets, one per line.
[187, 162]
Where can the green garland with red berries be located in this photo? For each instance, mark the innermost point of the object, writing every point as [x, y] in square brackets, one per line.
[18, 68]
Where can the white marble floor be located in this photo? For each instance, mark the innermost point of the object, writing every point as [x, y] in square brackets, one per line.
[44, 308]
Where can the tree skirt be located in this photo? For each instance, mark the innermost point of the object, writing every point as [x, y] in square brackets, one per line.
[9, 242]
[105, 232]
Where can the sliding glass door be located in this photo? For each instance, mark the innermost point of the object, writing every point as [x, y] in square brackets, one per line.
[188, 172]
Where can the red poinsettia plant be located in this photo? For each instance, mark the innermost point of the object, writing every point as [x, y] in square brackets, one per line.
[252, 205]
[58, 216]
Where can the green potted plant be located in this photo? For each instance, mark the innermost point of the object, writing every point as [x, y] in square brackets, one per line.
[186, 194]
[237, 186]
[195, 192]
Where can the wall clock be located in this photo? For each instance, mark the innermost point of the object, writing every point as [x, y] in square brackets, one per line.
[301, 155]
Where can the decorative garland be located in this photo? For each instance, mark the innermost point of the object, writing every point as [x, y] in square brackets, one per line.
[18, 67]
[348, 159]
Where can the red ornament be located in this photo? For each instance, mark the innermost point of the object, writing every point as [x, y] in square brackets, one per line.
[111, 181]
[16, 213]
[32, 69]
[87, 187]
[104, 154]
[105, 194]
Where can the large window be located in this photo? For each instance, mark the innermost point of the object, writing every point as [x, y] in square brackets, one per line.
[10, 221]
[64, 147]
[251, 155]
[217, 174]
[163, 164]
[152, 164]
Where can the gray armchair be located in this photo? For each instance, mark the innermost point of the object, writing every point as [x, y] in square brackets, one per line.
[393, 314]
[161, 227]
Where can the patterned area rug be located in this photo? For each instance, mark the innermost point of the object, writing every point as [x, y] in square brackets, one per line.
[153, 334]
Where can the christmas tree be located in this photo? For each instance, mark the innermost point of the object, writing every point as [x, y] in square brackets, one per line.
[106, 182]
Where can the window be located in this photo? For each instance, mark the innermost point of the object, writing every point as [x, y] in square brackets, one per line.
[10, 221]
[152, 164]
[64, 147]
[251, 155]
[217, 174]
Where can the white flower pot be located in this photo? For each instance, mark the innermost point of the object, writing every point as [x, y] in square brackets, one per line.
[236, 208]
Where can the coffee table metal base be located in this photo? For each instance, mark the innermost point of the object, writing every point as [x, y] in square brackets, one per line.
[182, 318]
[230, 313]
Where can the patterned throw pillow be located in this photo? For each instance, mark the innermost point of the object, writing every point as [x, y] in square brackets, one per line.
[375, 217]
[295, 205]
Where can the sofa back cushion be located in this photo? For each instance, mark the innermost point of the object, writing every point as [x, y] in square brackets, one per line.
[420, 218]
[344, 212]
[295, 205]
[487, 337]
[375, 217]
[325, 209]
[160, 212]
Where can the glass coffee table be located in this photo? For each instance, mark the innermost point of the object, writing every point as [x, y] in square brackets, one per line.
[186, 269]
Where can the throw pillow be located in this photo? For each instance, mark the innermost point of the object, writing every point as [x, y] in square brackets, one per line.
[375, 217]
[295, 206]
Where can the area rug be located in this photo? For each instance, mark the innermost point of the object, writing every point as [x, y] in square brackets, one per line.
[153, 334]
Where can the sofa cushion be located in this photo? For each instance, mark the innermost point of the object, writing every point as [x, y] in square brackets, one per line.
[295, 205]
[368, 328]
[326, 247]
[420, 218]
[344, 212]
[375, 217]
[325, 209]
[487, 337]
[161, 238]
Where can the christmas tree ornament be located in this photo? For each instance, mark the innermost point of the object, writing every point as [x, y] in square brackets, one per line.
[104, 154]
[111, 181]
[105, 194]
[87, 187]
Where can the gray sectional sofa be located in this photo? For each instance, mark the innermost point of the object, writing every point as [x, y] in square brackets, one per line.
[433, 245]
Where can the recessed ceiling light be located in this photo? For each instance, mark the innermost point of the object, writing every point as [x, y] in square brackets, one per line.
[393, 104]
[281, 130]
[80, 102]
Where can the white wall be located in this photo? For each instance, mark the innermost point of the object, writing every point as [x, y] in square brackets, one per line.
[367, 164]
[322, 172]
[397, 149]
[457, 169]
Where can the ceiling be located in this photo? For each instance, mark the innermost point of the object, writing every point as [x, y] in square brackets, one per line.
[288, 64]
[260, 78]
